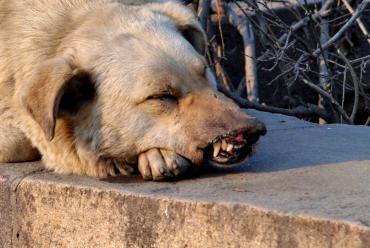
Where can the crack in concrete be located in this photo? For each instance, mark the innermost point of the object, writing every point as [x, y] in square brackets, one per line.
[293, 128]
[18, 180]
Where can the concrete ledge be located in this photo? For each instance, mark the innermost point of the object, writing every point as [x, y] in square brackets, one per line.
[306, 186]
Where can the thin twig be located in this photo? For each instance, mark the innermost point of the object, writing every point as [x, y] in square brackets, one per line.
[323, 63]
[367, 123]
[330, 98]
[218, 12]
[203, 12]
[356, 84]
[344, 89]
[303, 22]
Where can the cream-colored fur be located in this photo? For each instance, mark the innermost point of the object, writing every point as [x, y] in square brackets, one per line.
[101, 85]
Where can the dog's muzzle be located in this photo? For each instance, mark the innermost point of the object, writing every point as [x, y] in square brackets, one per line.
[229, 149]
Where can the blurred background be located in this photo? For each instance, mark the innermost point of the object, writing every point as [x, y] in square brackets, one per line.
[306, 58]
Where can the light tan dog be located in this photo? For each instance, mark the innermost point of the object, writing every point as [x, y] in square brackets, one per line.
[101, 86]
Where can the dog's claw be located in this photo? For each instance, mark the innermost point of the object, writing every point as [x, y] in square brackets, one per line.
[158, 164]
[123, 168]
[177, 164]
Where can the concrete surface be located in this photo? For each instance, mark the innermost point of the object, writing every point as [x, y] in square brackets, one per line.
[306, 186]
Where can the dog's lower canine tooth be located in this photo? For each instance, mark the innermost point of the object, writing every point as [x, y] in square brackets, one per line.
[224, 145]
[229, 147]
[216, 149]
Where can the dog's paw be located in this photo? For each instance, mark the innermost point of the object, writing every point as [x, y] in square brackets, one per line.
[159, 164]
[111, 167]
[123, 168]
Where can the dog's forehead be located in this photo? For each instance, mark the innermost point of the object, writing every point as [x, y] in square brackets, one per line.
[135, 45]
[157, 59]
[174, 78]
[142, 79]
[129, 56]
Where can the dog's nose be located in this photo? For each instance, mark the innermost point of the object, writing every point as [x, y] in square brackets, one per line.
[254, 133]
[261, 128]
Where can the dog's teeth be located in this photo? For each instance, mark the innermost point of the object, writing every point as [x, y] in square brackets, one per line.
[224, 145]
[216, 149]
[229, 147]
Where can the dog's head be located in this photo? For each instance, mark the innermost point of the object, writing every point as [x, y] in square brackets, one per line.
[131, 78]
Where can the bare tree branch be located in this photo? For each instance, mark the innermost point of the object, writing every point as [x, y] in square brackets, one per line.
[360, 24]
[300, 51]
[356, 84]
[203, 12]
[246, 31]
[346, 26]
[334, 38]
[329, 97]
[301, 111]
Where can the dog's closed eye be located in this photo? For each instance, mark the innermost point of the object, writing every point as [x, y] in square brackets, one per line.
[163, 97]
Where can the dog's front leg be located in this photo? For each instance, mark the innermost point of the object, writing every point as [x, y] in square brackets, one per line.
[159, 164]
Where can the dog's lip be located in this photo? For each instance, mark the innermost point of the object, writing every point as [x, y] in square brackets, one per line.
[231, 149]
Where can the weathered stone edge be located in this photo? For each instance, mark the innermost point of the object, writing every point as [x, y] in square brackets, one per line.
[136, 220]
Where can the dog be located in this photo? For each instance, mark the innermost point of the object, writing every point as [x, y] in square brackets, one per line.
[101, 87]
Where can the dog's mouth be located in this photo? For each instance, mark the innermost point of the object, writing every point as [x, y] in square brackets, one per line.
[228, 150]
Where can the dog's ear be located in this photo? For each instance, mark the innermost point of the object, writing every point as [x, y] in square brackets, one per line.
[186, 23]
[55, 89]
[196, 37]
